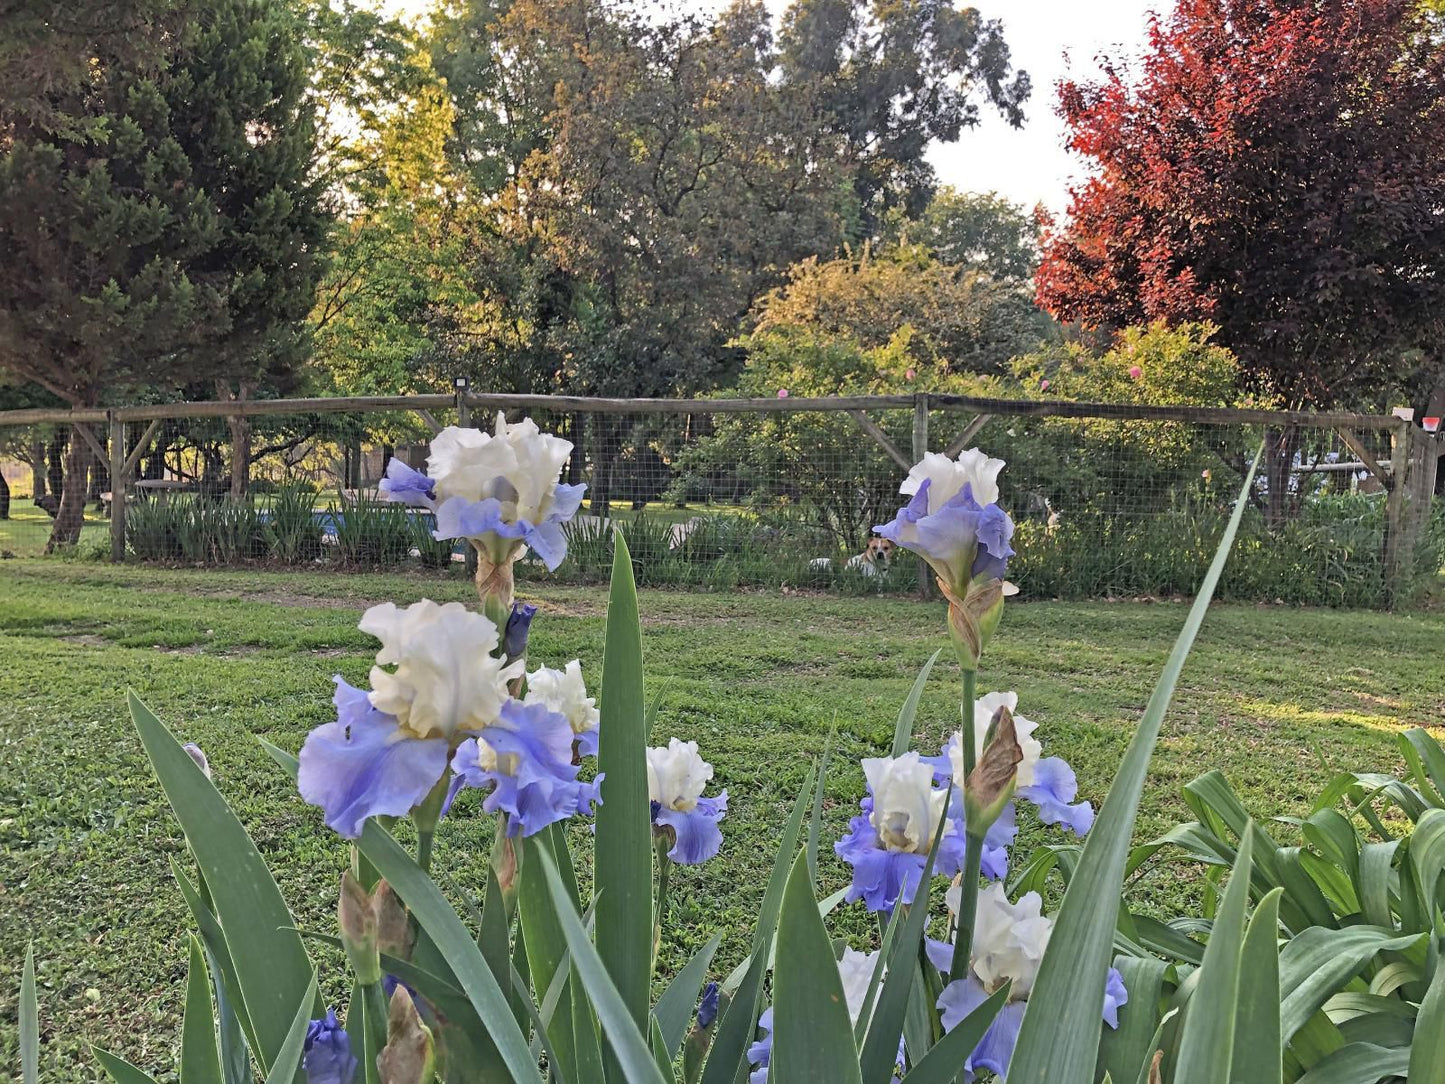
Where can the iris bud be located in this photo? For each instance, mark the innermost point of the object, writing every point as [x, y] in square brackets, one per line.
[357, 918]
[409, 1056]
[990, 785]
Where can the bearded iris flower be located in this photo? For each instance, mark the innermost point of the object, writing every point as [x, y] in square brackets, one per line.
[564, 692]
[888, 844]
[1009, 940]
[676, 776]
[953, 522]
[389, 747]
[525, 758]
[499, 490]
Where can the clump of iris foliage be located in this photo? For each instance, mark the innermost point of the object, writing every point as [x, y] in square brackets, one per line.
[968, 978]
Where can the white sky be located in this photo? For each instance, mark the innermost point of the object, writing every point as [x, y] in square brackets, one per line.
[1027, 165]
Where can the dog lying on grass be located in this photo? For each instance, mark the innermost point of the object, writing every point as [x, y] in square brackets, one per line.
[875, 560]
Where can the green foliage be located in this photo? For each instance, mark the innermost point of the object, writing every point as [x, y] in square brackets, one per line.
[980, 231]
[194, 225]
[945, 318]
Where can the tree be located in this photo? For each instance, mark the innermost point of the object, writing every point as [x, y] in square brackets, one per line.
[51, 48]
[1278, 168]
[955, 320]
[892, 78]
[981, 231]
[169, 231]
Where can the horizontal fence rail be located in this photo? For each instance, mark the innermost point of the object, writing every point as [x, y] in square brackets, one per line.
[1110, 498]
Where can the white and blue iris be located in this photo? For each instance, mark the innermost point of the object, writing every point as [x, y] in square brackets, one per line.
[389, 747]
[888, 844]
[1008, 945]
[564, 692]
[499, 490]
[1047, 782]
[526, 761]
[953, 520]
[676, 776]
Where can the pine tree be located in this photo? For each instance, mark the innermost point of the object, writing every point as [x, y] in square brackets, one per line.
[164, 229]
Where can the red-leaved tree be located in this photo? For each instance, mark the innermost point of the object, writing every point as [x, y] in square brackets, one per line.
[1276, 167]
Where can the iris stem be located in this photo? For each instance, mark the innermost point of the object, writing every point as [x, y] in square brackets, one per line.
[973, 848]
[423, 848]
[664, 869]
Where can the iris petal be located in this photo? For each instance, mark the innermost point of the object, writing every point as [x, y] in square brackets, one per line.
[362, 765]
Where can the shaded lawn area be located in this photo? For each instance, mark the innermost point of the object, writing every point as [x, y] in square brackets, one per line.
[759, 680]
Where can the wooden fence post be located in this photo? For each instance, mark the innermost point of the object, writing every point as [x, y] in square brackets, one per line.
[117, 489]
[920, 449]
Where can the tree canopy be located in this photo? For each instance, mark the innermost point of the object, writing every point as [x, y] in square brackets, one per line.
[1277, 168]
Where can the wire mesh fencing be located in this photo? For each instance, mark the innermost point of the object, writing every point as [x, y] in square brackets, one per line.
[1120, 502]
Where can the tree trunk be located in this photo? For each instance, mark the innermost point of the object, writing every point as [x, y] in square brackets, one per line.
[55, 472]
[240, 430]
[4, 497]
[1280, 446]
[37, 469]
[70, 514]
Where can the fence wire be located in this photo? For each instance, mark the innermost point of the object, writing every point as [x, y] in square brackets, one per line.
[735, 499]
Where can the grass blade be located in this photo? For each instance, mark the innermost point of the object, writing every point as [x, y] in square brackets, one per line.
[812, 1035]
[623, 843]
[273, 970]
[29, 1022]
[627, 1042]
[1206, 1041]
[1059, 1039]
[1256, 1029]
[200, 1054]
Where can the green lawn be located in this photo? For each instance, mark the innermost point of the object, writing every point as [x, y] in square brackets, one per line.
[27, 529]
[759, 680]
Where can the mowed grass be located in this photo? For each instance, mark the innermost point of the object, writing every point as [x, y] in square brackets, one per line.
[1274, 697]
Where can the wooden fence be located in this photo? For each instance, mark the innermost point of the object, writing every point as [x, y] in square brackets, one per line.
[1408, 475]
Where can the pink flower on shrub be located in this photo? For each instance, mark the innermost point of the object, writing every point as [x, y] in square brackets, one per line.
[1135, 372]
[782, 393]
[909, 375]
[1044, 385]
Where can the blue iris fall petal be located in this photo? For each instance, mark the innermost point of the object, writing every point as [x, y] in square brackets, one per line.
[406, 484]
[458, 517]
[995, 1049]
[1053, 790]
[364, 765]
[698, 836]
[326, 1056]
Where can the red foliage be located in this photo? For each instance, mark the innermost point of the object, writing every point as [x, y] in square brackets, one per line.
[1277, 167]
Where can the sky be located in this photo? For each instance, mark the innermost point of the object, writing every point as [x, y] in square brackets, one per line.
[1049, 39]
